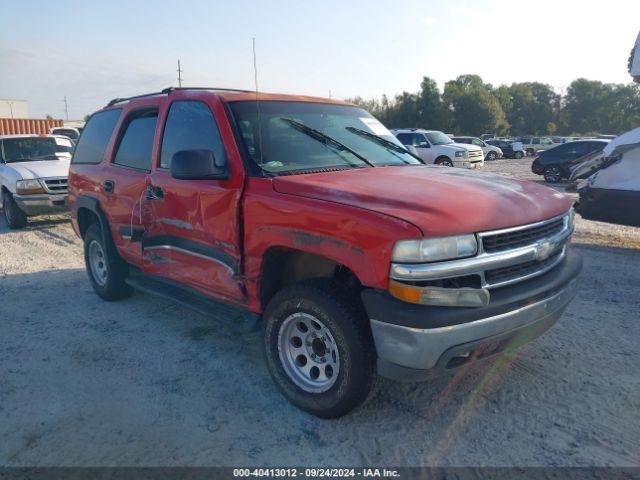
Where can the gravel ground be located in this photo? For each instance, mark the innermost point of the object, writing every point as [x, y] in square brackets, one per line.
[145, 382]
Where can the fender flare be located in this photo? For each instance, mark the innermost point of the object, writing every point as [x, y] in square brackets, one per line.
[92, 204]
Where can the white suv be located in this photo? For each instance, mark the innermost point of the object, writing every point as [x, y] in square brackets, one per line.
[435, 147]
[491, 152]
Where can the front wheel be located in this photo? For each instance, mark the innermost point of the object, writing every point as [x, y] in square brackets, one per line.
[14, 216]
[519, 155]
[319, 348]
[530, 152]
[552, 174]
[107, 271]
[444, 161]
[491, 156]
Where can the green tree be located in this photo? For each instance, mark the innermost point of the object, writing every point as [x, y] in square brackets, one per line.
[475, 108]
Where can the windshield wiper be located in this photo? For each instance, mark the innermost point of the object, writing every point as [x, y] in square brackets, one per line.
[326, 139]
[380, 141]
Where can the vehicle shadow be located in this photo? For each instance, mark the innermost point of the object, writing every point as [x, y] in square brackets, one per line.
[41, 222]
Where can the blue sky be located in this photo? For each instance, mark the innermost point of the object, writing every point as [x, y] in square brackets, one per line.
[94, 51]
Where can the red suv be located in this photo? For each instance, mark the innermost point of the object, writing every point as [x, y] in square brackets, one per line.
[359, 259]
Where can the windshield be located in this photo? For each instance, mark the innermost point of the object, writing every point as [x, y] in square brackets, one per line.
[303, 136]
[438, 138]
[29, 149]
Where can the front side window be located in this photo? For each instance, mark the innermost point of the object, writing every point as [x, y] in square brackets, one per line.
[33, 149]
[95, 137]
[134, 149]
[190, 126]
[478, 142]
[302, 136]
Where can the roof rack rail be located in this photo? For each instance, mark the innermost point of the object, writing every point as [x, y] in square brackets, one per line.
[172, 89]
[220, 89]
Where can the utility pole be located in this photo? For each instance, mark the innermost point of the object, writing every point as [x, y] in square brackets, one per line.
[179, 75]
[66, 108]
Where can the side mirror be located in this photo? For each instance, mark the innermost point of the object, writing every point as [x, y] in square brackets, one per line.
[197, 165]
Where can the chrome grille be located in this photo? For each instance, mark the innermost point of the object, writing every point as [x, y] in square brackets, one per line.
[476, 154]
[55, 185]
[510, 239]
[499, 276]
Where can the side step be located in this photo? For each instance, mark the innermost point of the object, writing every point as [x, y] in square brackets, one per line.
[190, 298]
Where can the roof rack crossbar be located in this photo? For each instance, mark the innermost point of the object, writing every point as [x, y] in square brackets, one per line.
[172, 89]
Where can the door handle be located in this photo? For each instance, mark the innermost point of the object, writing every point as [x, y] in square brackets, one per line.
[108, 186]
[154, 193]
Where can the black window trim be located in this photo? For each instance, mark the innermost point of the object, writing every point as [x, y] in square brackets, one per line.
[108, 141]
[131, 115]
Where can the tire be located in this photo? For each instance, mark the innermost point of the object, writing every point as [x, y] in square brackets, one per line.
[491, 156]
[530, 152]
[444, 161]
[14, 216]
[552, 174]
[519, 155]
[107, 271]
[344, 331]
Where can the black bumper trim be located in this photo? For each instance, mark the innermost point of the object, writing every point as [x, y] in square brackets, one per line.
[381, 306]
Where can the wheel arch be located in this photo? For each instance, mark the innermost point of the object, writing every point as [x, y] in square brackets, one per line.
[283, 266]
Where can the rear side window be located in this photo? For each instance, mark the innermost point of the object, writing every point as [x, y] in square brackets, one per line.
[134, 149]
[95, 137]
[415, 139]
[190, 126]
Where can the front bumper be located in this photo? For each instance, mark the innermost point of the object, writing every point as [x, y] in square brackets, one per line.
[42, 203]
[416, 342]
[537, 168]
[470, 164]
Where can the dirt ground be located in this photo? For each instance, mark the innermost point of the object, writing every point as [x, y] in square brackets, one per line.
[145, 382]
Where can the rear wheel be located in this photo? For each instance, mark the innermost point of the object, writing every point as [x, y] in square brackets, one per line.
[107, 271]
[552, 174]
[14, 216]
[530, 152]
[519, 155]
[319, 348]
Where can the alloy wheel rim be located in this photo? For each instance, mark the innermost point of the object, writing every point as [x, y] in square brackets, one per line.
[98, 263]
[553, 174]
[308, 352]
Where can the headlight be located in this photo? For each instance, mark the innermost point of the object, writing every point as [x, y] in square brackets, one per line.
[434, 249]
[25, 187]
[461, 153]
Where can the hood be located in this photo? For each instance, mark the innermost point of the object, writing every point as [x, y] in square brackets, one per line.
[42, 169]
[438, 200]
[464, 146]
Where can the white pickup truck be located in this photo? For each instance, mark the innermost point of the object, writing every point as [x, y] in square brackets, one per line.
[33, 175]
[433, 146]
